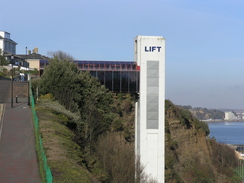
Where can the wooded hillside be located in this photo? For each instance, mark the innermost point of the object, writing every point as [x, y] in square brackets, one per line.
[204, 113]
[88, 134]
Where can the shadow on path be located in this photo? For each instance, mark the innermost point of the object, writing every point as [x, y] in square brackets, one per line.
[18, 160]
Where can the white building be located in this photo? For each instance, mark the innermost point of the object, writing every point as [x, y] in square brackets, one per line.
[7, 45]
[149, 52]
[8, 50]
[230, 116]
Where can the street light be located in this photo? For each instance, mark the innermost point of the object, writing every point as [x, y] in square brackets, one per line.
[12, 89]
[26, 49]
[28, 103]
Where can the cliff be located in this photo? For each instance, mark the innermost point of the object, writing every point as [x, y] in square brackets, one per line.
[204, 113]
[190, 155]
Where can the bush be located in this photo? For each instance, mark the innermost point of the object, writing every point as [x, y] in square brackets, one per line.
[224, 158]
[116, 159]
[61, 78]
[47, 96]
[185, 118]
[205, 127]
[117, 125]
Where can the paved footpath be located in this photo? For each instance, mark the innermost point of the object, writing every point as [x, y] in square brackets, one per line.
[18, 160]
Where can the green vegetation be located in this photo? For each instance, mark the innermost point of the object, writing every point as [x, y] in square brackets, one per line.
[4, 73]
[204, 113]
[240, 169]
[79, 103]
[104, 160]
[64, 155]
[88, 133]
[186, 118]
[218, 165]
[3, 60]
[45, 172]
[34, 72]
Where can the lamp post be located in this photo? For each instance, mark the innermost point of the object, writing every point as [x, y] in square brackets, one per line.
[26, 49]
[28, 102]
[12, 83]
[26, 63]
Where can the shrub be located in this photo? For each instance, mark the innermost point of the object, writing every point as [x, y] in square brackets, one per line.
[224, 158]
[117, 160]
[205, 127]
[185, 118]
[117, 125]
[47, 96]
[127, 134]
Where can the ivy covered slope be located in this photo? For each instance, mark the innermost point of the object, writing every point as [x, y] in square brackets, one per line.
[88, 133]
[64, 155]
[190, 155]
[109, 157]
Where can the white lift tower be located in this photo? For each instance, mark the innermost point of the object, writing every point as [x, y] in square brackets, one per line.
[149, 52]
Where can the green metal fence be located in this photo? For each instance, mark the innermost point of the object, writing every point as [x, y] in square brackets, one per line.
[240, 169]
[39, 146]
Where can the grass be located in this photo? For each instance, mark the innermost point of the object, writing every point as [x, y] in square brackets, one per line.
[63, 154]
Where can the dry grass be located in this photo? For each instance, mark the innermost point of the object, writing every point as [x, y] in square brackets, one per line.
[63, 154]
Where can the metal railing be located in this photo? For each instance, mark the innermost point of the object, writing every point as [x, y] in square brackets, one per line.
[42, 159]
[240, 169]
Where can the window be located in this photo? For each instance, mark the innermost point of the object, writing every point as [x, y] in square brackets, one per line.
[152, 94]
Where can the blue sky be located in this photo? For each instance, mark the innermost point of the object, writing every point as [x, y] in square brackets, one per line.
[204, 39]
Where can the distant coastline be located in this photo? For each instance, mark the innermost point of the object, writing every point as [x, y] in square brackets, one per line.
[218, 121]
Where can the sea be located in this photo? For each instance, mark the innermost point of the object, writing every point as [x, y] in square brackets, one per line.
[227, 132]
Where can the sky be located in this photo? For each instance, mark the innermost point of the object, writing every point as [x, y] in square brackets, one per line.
[204, 39]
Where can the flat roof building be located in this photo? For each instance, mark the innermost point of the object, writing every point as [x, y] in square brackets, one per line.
[7, 45]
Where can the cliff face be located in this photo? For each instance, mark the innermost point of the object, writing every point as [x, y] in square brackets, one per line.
[189, 140]
[204, 113]
[190, 156]
[207, 114]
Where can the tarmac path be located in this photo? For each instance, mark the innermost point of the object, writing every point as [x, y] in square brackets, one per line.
[18, 160]
[4, 90]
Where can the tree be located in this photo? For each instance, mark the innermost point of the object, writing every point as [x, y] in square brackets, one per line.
[95, 109]
[82, 93]
[61, 79]
[33, 72]
[60, 55]
[3, 60]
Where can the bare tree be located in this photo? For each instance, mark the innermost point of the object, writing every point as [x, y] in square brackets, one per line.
[60, 55]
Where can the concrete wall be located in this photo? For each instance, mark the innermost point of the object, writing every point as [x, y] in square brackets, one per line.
[149, 52]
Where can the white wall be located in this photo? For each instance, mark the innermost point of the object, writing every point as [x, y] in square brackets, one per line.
[1, 45]
[2, 33]
[6, 44]
[149, 52]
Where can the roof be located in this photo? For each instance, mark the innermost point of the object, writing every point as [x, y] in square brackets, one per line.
[4, 31]
[34, 56]
[104, 62]
[9, 40]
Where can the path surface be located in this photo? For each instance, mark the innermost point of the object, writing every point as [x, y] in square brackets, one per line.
[18, 161]
[4, 90]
